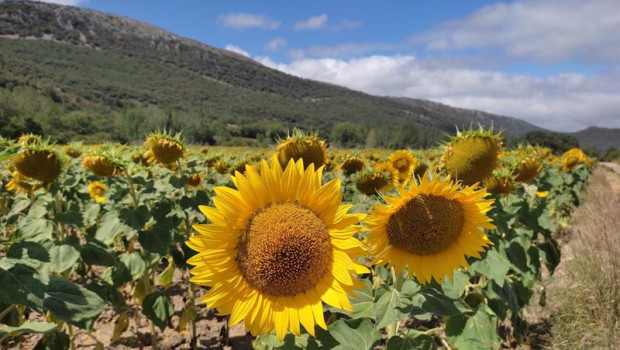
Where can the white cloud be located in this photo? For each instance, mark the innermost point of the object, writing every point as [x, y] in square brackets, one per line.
[320, 22]
[341, 50]
[314, 22]
[563, 102]
[65, 2]
[275, 44]
[544, 31]
[237, 49]
[247, 20]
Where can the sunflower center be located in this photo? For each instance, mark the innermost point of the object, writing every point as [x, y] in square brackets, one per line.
[401, 165]
[426, 224]
[285, 250]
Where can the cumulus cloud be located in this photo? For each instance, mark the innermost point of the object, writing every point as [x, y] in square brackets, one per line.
[237, 49]
[275, 44]
[543, 31]
[563, 102]
[247, 20]
[314, 22]
[66, 2]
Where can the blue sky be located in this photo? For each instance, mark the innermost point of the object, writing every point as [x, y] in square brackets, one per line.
[554, 63]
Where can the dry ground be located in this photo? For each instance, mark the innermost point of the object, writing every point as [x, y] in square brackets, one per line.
[582, 299]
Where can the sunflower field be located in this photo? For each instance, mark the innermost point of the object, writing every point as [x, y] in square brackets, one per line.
[299, 246]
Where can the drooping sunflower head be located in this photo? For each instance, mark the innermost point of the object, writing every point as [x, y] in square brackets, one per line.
[383, 178]
[501, 182]
[221, 166]
[420, 169]
[430, 228]
[404, 162]
[276, 248]
[195, 180]
[211, 159]
[165, 148]
[95, 190]
[140, 158]
[102, 164]
[471, 156]
[527, 168]
[72, 151]
[352, 165]
[302, 146]
[38, 161]
[572, 158]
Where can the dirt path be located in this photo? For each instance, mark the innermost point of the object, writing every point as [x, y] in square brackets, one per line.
[577, 307]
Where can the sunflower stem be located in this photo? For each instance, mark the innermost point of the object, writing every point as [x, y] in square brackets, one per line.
[192, 300]
[7, 310]
[132, 190]
[154, 344]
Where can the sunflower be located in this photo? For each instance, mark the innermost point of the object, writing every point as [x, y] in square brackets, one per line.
[471, 155]
[276, 248]
[572, 158]
[430, 228]
[195, 180]
[383, 178]
[499, 184]
[405, 163]
[164, 148]
[102, 165]
[527, 169]
[39, 163]
[302, 146]
[95, 190]
[352, 165]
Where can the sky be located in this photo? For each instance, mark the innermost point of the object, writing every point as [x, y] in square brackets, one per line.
[553, 63]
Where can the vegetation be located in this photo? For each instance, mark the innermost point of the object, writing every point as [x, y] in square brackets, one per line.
[107, 243]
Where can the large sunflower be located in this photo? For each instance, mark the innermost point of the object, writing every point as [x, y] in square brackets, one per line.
[430, 228]
[276, 248]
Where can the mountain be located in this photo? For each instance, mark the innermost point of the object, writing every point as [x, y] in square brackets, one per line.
[600, 138]
[74, 73]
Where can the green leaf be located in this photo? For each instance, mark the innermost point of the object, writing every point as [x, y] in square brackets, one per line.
[35, 229]
[412, 340]
[63, 257]
[135, 264]
[478, 331]
[157, 307]
[364, 302]
[27, 327]
[178, 182]
[27, 285]
[74, 218]
[109, 227]
[94, 254]
[28, 251]
[91, 213]
[494, 266]
[455, 286]
[355, 334]
[135, 218]
[438, 303]
[71, 302]
[158, 238]
[390, 307]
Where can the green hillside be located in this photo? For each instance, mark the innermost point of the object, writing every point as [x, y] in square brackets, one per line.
[77, 74]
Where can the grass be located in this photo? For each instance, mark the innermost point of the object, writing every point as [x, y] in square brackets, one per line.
[584, 295]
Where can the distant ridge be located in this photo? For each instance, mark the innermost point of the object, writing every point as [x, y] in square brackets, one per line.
[599, 138]
[88, 61]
